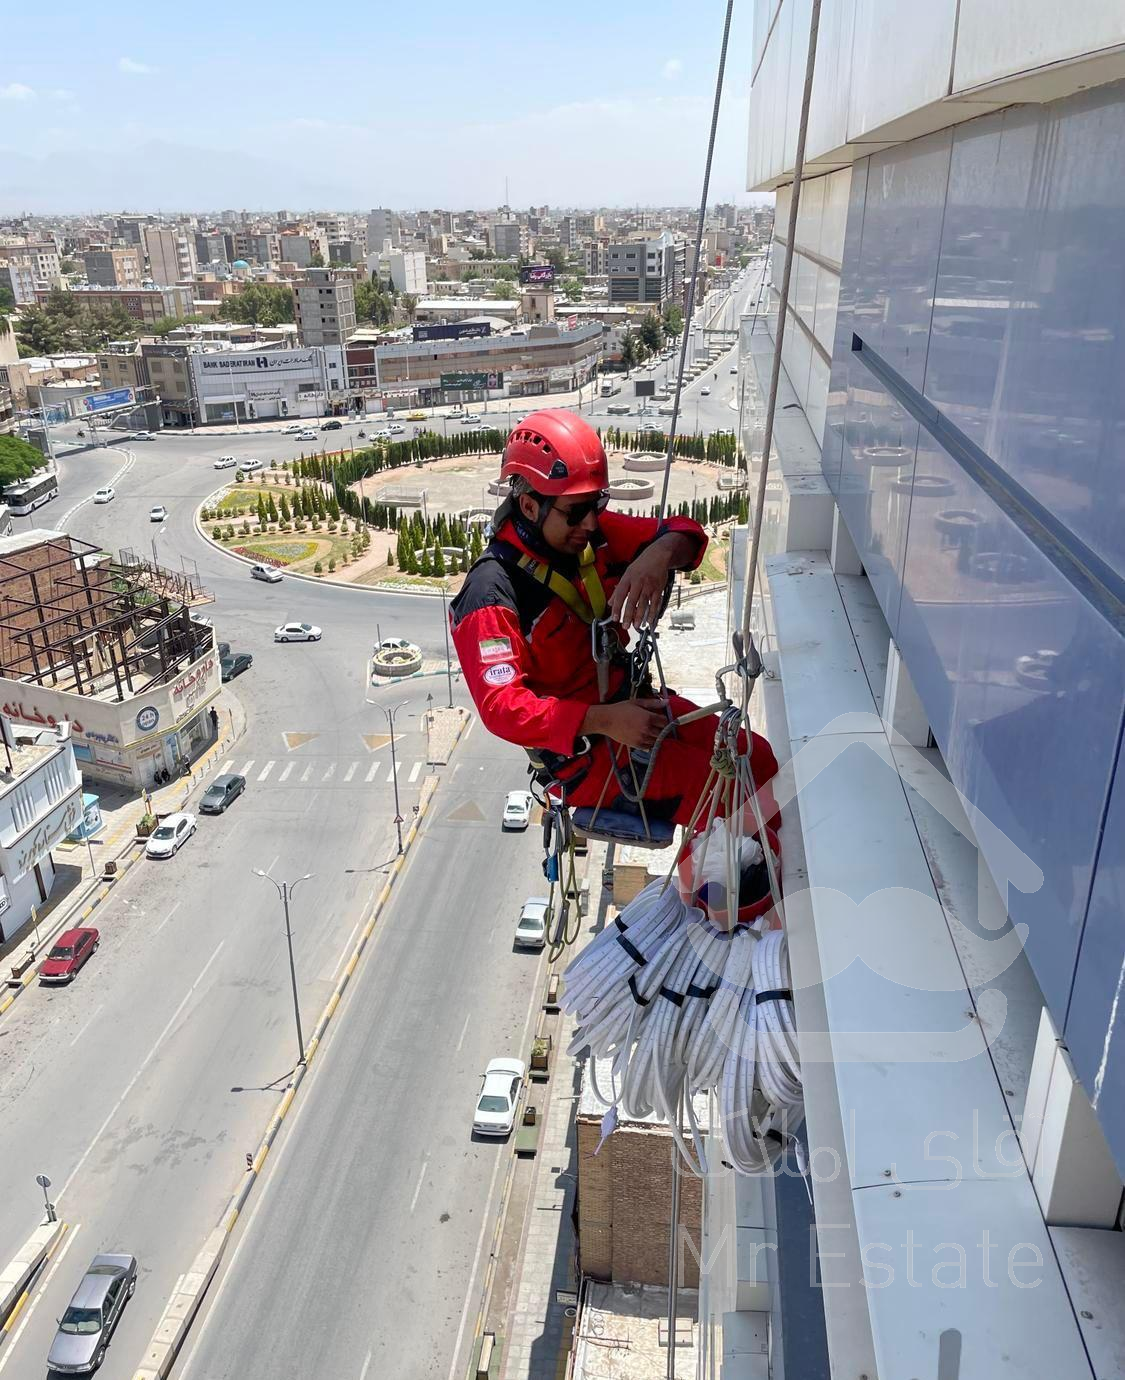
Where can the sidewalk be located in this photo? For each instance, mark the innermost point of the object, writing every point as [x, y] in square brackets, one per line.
[80, 883]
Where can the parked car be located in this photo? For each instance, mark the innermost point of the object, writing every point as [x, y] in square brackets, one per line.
[225, 462]
[85, 1329]
[307, 434]
[142, 435]
[398, 644]
[221, 792]
[332, 424]
[157, 513]
[223, 649]
[517, 810]
[531, 929]
[170, 835]
[269, 573]
[499, 1097]
[70, 951]
[297, 632]
[734, 368]
[415, 416]
[106, 495]
[234, 664]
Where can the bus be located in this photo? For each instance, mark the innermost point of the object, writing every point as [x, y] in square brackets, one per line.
[26, 495]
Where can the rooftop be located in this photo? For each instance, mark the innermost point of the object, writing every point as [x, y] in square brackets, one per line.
[623, 1333]
[32, 747]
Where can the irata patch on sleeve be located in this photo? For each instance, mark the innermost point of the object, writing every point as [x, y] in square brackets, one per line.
[500, 675]
[494, 648]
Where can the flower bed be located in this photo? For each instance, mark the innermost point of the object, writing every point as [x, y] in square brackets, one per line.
[278, 552]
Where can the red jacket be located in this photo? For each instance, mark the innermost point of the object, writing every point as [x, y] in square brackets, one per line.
[526, 656]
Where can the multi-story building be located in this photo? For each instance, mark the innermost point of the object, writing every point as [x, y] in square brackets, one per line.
[383, 230]
[40, 804]
[257, 248]
[122, 365]
[17, 275]
[508, 238]
[939, 605]
[257, 381]
[404, 268]
[646, 270]
[146, 305]
[214, 247]
[596, 255]
[349, 254]
[114, 267]
[304, 249]
[324, 306]
[44, 258]
[171, 255]
[130, 228]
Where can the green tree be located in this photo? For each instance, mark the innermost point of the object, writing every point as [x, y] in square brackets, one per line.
[559, 258]
[283, 509]
[572, 289]
[372, 303]
[476, 545]
[18, 460]
[262, 514]
[7, 302]
[630, 353]
[316, 259]
[651, 335]
[504, 290]
[507, 272]
[271, 509]
[672, 319]
[261, 304]
[167, 324]
[425, 566]
[439, 560]
[409, 304]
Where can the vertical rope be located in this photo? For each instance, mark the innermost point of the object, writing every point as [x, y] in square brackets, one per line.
[674, 1257]
[783, 311]
[695, 267]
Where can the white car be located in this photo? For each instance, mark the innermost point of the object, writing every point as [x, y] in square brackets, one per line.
[705, 390]
[397, 429]
[517, 810]
[499, 1097]
[381, 433]
[293, 429]
[651, 426]
[307, 434]
[249, 466]
[297, 632]
[169, 835]
[106, 495]
[398, 644]
[269, 573]
[470, 421]
[142, 435]
[531, 931]
[225, 462]
[157, 513]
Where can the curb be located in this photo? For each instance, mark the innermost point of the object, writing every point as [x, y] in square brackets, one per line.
[461, 727]
[17, 1278]
[183, 1306]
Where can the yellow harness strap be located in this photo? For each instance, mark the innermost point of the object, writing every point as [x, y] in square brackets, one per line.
[558, 584]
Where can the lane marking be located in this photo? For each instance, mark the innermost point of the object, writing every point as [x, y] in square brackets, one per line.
[244, 770]
[168, 917]
[414, 770]
[366, 1365]
[308, 771]
[351, 771]
[392, 773]
[345, 956]
[372, 772]
[464, 1032]
[273, 864]
[285, 771]
[266, 770]
[175, 1016]
[87, 1026]
[40, 1290]
[418, 1186]
[330, 773]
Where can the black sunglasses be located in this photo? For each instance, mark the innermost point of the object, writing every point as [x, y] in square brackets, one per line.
[579, 512]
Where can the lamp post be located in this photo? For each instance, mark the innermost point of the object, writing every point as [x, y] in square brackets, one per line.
[45, 1183]
[390, 713]
[285, 890]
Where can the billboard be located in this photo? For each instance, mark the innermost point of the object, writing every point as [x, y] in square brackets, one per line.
[463, 380]
[102, 402]
[644, 388]
[537, 274]
[454, 330]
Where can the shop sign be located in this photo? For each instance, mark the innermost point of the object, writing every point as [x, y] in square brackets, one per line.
[38, 843]
[148, 718]
[15, 710]
[192, 687]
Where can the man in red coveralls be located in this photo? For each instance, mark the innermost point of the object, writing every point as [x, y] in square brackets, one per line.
[521, 624]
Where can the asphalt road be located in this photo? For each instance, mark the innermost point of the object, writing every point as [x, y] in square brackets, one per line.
[362, 1253]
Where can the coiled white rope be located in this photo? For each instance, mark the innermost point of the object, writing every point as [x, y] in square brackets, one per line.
[680, 1007]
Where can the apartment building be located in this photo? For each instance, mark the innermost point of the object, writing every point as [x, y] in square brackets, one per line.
[404, 268]
[646, 270]
[305, 249]
[383, 230]
[121, 268]
[214, 247]
[324, 306]
[171, 255]
[146, 305]
[17, 276]
[257, 247]
[508, 238]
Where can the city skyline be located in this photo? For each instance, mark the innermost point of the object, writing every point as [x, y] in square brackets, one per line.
[608, 113]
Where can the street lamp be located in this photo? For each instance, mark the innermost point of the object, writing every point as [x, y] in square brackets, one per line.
[285, 890]
[390, 713]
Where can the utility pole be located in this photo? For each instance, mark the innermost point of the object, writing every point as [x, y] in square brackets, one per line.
[390, 713]
[445, 629]
[285, 890]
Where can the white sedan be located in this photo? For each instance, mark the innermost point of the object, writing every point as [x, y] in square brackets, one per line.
[517, 810]
[293, 429]
[225, 462]
[531, 932]
[170, 834]
[307, 435]
[106, 495]
[397, 429]
[157, 513]
[499, 1097]
[297, 632]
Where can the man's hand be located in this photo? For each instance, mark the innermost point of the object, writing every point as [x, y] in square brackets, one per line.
[636, 723]
[640, 591]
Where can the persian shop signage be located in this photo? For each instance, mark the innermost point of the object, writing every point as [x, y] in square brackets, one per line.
[34, 846]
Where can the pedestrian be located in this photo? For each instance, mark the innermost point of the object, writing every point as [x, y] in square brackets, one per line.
[214, 722]
[559, 560]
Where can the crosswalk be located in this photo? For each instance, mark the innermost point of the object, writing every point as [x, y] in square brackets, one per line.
[324, 772]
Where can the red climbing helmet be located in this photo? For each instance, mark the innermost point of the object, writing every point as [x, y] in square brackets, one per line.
[557, 453]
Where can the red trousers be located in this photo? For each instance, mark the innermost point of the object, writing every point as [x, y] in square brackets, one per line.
[683, 765]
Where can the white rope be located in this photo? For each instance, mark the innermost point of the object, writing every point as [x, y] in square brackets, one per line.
[668, 998]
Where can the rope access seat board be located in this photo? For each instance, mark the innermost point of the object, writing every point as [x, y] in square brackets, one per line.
[679, 1003]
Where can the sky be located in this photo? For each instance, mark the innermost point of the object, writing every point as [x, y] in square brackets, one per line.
[148, 107]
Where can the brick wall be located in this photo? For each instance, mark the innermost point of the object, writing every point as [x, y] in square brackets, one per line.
[624, 1206]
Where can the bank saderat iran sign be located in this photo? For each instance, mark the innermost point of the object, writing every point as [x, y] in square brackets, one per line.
[221, 365]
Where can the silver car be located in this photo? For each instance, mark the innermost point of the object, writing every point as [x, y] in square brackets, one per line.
[87, 1325]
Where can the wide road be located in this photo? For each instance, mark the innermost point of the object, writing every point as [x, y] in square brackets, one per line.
[362, 1253]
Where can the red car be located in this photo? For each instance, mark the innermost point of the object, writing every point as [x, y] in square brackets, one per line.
[72, 949]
